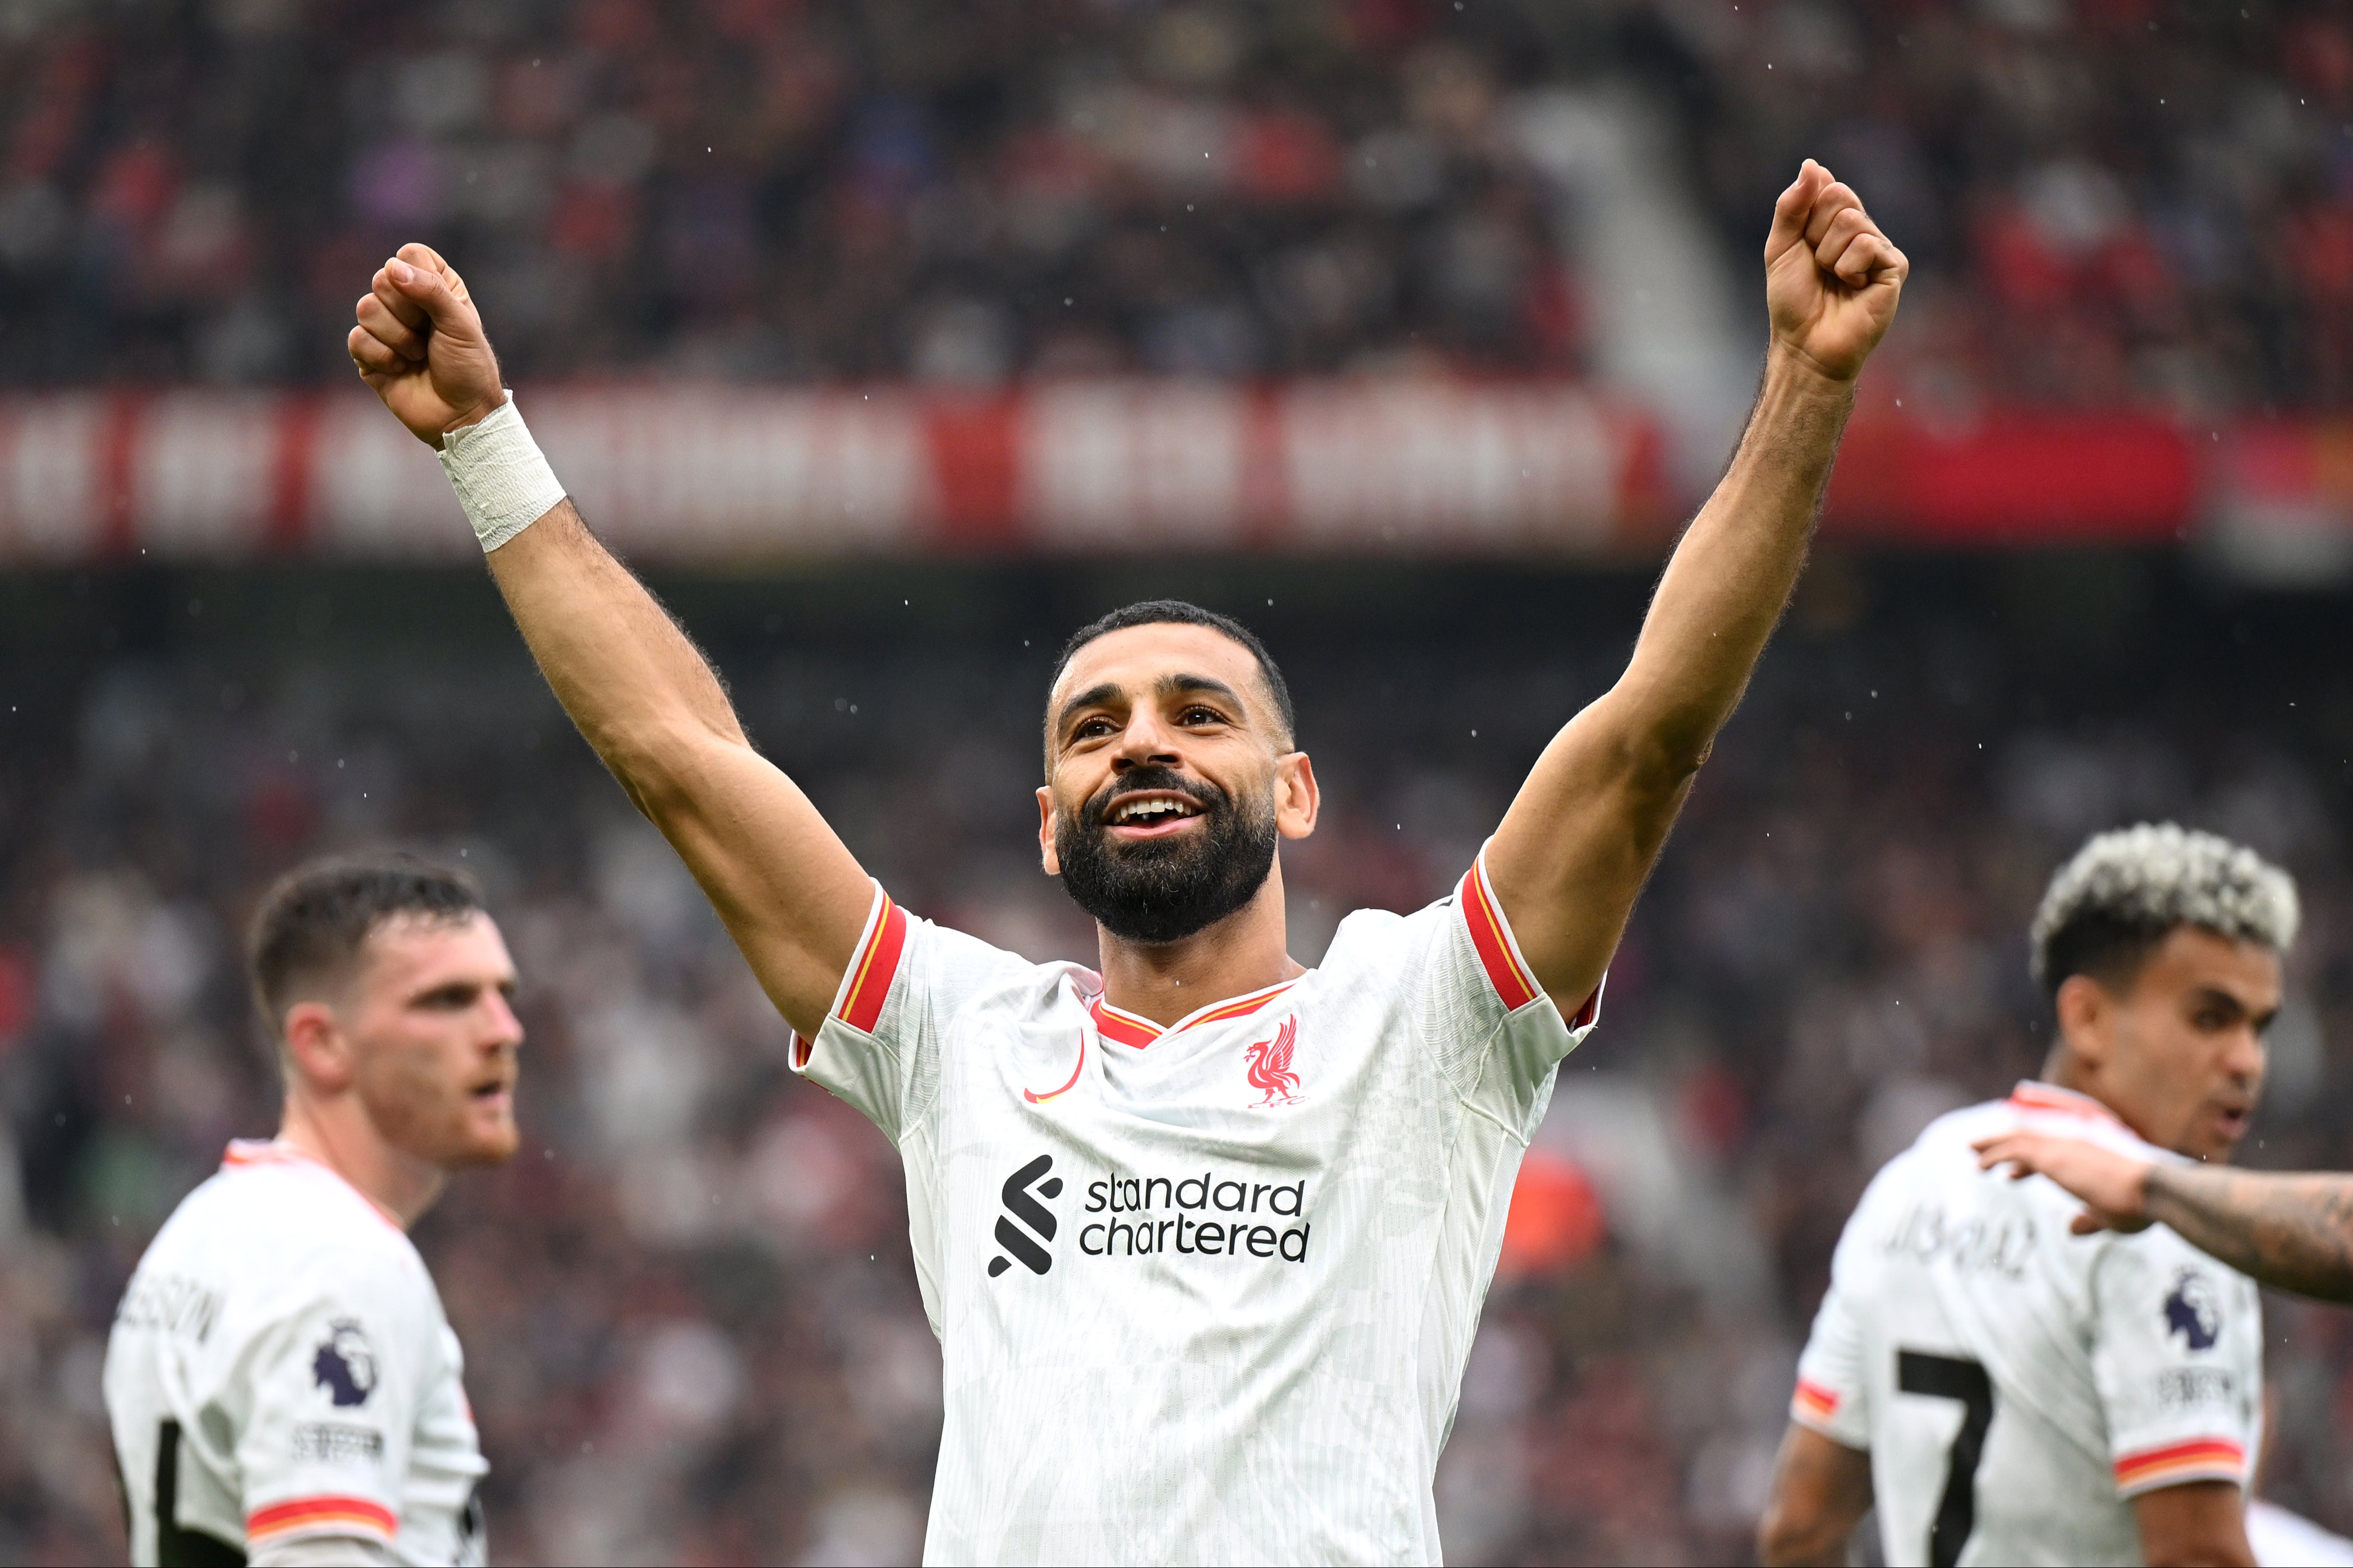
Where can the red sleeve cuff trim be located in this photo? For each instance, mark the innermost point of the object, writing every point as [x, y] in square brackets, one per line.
[311, 1513]
[2200, 1458]
[1489, 933]
[877, 965]
[1812, 1399]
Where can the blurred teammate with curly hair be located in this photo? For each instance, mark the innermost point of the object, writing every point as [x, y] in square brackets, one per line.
[2004, 1391]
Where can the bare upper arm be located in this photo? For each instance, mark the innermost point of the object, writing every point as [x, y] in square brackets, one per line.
[791, 893]
[1579, 840]
[787, 889]
[1820, 1491]
[2193, 1525]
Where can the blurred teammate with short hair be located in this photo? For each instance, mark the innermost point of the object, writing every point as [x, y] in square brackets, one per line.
[2004, 1391]
[282, 1385]
[1204, 1235]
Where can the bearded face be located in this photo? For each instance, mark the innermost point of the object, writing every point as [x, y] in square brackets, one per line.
[1125, 862]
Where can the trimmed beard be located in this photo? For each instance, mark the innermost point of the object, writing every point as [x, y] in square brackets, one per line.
[1158, 891]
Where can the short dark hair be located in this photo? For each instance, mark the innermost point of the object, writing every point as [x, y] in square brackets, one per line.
[1180, 612]
[313, 921]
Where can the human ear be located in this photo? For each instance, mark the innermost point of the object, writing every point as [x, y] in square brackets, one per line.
[1297, 801]
[317, 1049]
[2086, 1014]
[1046, 857]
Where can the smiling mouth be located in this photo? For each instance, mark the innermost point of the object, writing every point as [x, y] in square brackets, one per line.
[1156, 812]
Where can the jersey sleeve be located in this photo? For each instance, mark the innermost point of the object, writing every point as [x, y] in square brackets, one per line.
[1833, 1396]
[335, 1380]
[1457, 974]
[2178, 1359]
[878, 1048]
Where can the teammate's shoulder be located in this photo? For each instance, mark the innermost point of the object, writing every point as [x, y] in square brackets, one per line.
[1954, 1131]
[279, 1204]
[1938, 1156]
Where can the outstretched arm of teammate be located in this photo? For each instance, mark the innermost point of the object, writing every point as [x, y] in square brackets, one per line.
[2291, 1231]
[1575, 848]
[643, 695]
[1821, 1490]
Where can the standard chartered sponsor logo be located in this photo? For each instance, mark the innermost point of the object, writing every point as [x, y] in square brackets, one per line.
[1205, 1215]
[1035, 1215]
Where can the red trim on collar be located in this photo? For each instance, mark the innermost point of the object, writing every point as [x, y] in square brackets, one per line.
[2049, 1100]
[246, 1152]
[1128, 1029]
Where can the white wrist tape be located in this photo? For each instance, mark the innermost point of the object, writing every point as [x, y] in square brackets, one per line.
[501, 480]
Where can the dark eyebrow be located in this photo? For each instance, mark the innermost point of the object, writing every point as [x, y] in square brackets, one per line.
[1179, 685]
[1091, 695]
[2214, 995]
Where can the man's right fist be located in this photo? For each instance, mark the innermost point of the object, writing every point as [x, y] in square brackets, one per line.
[419, 346]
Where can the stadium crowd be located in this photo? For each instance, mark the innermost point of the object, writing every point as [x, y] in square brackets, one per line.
[2158, 197]
[690, 1322]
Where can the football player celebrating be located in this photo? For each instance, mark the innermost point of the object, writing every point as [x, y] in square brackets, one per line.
[282, 1385]
[2006, 1391]
[1204, 1234]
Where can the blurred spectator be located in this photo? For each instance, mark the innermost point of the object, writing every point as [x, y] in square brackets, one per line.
[773, 188]
[2106, 202]
[2129, 201]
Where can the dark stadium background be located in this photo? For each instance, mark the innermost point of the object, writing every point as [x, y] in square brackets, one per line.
[2089, 560]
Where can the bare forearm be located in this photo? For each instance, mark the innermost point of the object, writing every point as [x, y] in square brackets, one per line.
[624, 672]
[1583, 832]
[1820, 1491]
[1730, 578]
[790, 892]
[1578, 843]
[2294, 1232]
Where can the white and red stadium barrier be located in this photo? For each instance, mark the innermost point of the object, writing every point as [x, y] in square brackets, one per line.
[725, 474]
[703, 474]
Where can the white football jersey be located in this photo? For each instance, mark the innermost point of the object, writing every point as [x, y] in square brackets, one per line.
[1203, 1293]
[281, 1367]
[2017, 1385]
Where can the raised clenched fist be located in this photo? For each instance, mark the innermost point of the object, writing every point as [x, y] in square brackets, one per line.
[1831, 279]
[419, 345]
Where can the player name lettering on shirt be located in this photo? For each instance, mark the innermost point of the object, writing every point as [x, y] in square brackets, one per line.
[171, 1303]
[1204, 1214]
[1928, 1234]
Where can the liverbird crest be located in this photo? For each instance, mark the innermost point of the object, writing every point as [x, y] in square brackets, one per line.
[1270, 1066]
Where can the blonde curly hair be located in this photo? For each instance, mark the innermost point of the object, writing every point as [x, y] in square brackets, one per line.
[2125, 890]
